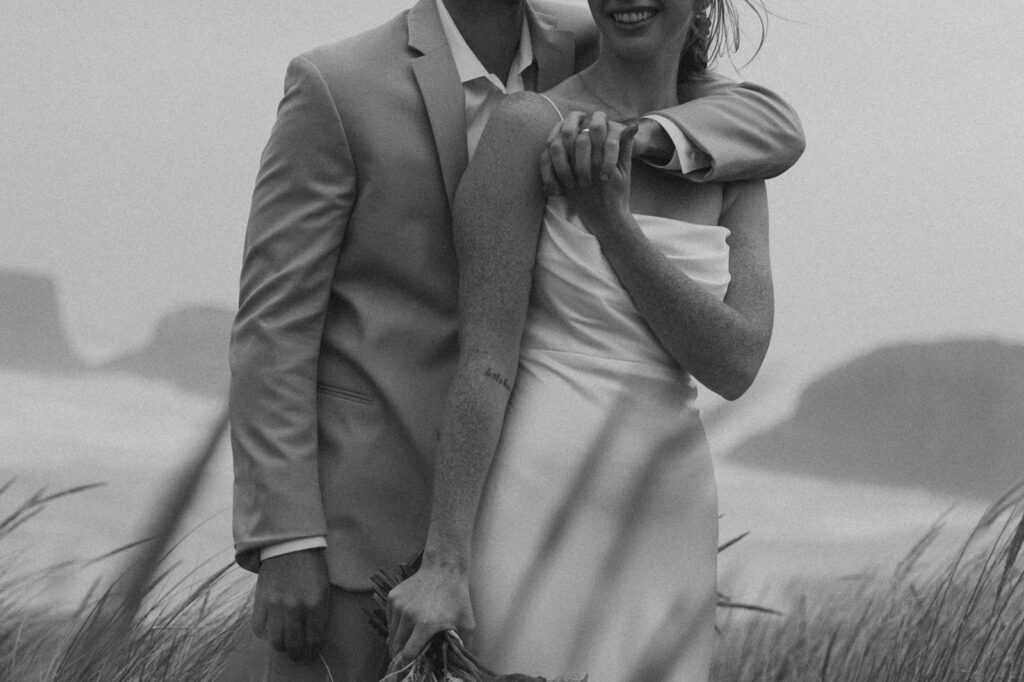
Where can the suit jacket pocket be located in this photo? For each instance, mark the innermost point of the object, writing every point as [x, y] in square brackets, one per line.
[344, 394]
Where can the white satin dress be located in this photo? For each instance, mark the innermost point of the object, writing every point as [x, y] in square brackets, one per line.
[595, 550]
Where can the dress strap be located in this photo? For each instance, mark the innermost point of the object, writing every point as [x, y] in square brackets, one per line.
[551, 102]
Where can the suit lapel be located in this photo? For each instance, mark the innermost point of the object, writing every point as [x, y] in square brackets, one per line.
[554, 49]
[441, 89]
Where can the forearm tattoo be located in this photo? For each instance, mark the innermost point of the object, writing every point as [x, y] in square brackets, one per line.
[498, 378]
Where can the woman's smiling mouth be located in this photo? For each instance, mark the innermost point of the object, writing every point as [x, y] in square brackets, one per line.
[631, 17]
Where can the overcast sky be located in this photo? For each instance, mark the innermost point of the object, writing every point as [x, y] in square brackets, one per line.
[131, 133]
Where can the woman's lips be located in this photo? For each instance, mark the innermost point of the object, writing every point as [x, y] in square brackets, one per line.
[632, 17]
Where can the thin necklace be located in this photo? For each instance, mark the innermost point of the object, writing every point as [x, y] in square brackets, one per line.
[603, 101]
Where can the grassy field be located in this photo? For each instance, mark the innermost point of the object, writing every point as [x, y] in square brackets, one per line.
[961, 619]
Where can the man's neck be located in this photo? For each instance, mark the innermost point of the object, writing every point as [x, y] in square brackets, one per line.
[491, 28]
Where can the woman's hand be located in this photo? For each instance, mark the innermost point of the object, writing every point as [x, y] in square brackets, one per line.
[432, 600]
[588, 160]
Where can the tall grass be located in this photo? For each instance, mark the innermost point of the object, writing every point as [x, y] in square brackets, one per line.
[144, 624]
[962, 621]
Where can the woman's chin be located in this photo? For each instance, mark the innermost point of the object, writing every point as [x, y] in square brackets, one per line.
[642, 40]
[636, 50]
[641, 29]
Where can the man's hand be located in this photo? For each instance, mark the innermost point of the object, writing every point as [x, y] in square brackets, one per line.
[652, 143]
[432, 600]
[291, 606]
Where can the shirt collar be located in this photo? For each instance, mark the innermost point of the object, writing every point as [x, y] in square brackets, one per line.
[467, 63]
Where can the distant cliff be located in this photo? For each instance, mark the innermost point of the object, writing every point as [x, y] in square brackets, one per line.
[32, 335]
[946, 416]
[189, 348]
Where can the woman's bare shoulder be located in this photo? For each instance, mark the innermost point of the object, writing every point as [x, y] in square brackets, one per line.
[528, 114]
[506, 163]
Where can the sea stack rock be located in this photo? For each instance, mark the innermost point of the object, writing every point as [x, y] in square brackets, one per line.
[945, 416]
[188, 348]
[32, 335]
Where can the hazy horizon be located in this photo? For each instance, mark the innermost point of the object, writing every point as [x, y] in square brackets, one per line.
[134, 434]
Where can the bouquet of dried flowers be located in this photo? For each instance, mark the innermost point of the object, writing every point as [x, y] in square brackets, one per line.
[445, 658]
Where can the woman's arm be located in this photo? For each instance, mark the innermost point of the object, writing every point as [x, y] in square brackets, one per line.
[498, 211]
[720, 343]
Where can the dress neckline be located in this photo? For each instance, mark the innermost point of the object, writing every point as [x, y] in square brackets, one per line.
[563, 205]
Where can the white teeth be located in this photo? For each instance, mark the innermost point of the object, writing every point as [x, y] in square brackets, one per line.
[633, 17]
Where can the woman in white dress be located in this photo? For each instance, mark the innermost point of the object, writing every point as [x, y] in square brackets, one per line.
[585, 539]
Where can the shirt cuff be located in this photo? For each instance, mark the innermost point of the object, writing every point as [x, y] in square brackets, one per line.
[279, 548]
[686, 158]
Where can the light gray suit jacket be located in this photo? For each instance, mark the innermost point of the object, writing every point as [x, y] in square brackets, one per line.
[345, 339]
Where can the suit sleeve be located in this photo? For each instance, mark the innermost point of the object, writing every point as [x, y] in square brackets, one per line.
[304, 192]
[746, 131]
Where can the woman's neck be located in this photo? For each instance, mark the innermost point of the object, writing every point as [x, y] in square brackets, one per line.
[632, 88]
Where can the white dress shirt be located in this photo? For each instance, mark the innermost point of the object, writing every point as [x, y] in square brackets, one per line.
[483, 91]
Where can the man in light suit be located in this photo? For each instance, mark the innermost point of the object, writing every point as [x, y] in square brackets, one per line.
[345, 338]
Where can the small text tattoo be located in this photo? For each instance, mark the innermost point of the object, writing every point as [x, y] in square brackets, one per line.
[499, 378]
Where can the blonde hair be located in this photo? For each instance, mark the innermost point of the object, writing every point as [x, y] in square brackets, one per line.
[716, 31]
